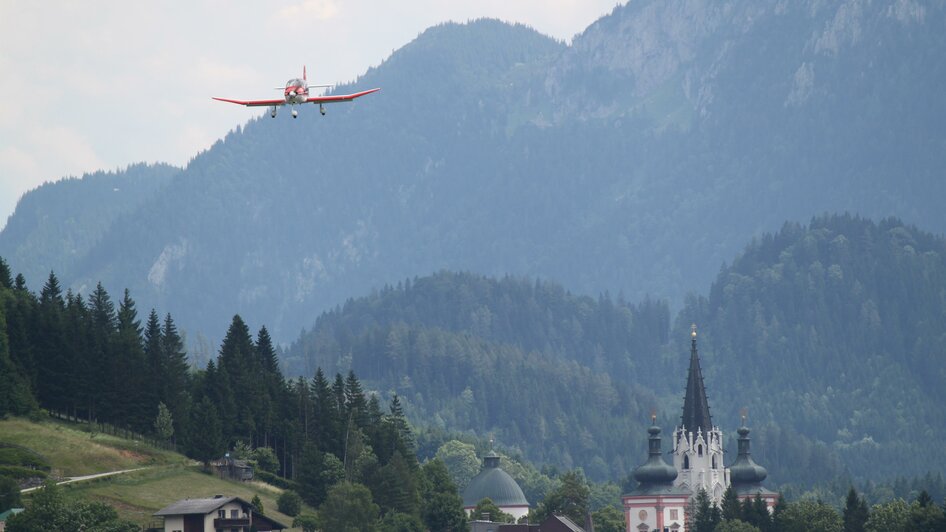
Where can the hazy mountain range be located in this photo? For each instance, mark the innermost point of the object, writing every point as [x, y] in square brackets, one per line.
[636, 159]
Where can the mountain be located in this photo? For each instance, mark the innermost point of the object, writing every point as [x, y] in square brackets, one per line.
[57, 224]
[833, 332]
[637, 159]
[828, 333]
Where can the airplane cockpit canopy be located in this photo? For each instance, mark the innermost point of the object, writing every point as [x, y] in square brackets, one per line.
[295, 83]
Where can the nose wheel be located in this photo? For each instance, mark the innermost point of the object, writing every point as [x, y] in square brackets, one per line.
[322, 109]
[295, 113]
[272, 112]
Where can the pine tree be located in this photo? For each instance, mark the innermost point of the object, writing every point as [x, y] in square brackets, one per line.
[731, 509]
[6, 277]
[324, 428]
[128, 371]
[52, 364]
[703, 517]
[272, 384]
[176, 374]
[103, 322]
[154, 357]
[237, 360]
[206, 443]
[397, 487]
[855, 512]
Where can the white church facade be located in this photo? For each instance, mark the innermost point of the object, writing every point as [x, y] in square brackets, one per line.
[665, 492]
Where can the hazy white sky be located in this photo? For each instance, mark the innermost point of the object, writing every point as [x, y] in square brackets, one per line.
[101, 84]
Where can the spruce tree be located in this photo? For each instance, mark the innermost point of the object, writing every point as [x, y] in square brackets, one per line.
[324, 428]
[6, 277]
[207, 442]
[855, 512]
[154, 357]
[53, 365]
[176, 374]
[731, 508]
[128, 371]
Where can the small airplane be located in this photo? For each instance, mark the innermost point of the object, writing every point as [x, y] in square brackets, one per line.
[297, 92]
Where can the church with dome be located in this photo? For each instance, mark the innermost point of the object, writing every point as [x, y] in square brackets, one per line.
[665, 491]
[495, 484]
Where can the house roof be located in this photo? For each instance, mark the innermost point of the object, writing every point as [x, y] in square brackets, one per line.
[197, 506]
[209, 505]
[565, 521]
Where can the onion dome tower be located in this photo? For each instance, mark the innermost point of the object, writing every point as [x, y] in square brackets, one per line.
[496, 485]
[697, 443]
[655, 473]
[746, 475]
[656, 503]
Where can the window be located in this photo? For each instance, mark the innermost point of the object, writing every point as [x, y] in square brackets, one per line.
[674, 514]
[686, 462]
[714, 462]
[234, 514]
[699, 450]
[222, 514]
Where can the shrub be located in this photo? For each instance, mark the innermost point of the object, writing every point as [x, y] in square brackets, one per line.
[289, 503]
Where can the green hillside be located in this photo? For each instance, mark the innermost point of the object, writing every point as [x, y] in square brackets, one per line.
[71, 450]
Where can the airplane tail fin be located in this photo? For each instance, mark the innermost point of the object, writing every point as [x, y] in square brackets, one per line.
[303, 73]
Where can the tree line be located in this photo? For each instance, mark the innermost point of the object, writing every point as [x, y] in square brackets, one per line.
[322, 438]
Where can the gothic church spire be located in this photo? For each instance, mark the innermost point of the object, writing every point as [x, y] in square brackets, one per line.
[696, 414]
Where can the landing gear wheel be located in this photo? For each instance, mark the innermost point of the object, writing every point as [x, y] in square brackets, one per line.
[322, 109]
[272, 113]
[295, 113]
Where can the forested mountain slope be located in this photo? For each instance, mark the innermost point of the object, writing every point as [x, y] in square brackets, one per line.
[636, 159]
[527, 363]
[57, 224]
[830, 334]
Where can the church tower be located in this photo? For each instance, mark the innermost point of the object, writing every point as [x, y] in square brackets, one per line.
[697, 443]
[657, 505]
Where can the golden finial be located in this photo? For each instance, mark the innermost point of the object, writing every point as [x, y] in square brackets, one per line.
[653, 416]
[693, 330]
[744, 412]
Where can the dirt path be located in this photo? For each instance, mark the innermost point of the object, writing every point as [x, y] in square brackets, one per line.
[87, 477]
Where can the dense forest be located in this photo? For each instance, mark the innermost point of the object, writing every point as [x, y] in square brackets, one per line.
[96, 362]
[827, 332]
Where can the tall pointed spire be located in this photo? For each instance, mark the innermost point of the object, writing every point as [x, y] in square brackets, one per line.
[696, 414]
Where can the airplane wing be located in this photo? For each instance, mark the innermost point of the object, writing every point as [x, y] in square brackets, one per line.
[253, 103]
[340, 97]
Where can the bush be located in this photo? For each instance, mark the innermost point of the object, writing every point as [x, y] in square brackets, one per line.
[289, 503]
[276, 480]
[308, 523]
[21, 472]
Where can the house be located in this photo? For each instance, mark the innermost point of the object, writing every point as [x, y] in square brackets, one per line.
[216, 514]
[6, 515]
[232, 469]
